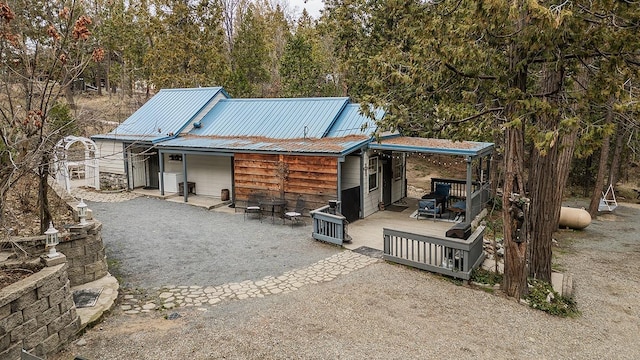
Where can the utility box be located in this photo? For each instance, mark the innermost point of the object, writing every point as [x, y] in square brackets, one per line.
[335, 207]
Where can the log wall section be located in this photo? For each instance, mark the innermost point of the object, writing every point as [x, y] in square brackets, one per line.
[315, 178]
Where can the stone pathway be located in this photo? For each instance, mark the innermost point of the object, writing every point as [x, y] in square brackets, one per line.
[174, 296]
[98, 196]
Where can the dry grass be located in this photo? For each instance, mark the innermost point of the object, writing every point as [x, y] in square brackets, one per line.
[100, 114]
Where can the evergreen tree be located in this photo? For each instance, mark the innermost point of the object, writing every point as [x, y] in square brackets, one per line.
[249, 57]
[493, 69]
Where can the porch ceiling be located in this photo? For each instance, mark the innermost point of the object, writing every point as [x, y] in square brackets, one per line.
[433, 146]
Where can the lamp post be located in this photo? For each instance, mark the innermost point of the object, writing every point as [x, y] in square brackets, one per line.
[52, 240]
[82, 212]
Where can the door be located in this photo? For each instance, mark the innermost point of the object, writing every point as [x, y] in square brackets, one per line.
[351, 203]
[138, 170]
[387, 180]
[153, 166]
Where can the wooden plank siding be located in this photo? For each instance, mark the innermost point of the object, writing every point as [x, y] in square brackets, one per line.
[315, 178]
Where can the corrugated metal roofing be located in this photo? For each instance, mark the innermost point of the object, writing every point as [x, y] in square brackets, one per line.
[340, 145]
[163, 115]
[272, 118]
[433, 146]
[353, 122]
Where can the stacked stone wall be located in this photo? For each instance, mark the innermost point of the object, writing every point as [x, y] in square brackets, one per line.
[37, 314]
[85, 252]
[112, 181]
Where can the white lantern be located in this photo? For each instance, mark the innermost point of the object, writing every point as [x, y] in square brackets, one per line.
[82, 212]
[52, 240]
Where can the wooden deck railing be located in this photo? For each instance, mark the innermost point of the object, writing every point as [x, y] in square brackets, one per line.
[458, 186]
[479, 199]
[329, 227]
[448, 256]
[479, 193]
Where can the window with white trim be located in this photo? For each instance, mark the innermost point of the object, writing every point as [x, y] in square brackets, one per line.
[373, 173]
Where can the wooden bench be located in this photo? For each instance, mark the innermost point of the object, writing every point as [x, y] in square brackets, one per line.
[191, 188]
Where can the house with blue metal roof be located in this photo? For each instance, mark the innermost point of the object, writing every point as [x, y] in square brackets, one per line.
[127, 157]
[201, 142]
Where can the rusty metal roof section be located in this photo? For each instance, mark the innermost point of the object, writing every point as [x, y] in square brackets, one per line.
[328, 146]
[164, 115]
[433, 146]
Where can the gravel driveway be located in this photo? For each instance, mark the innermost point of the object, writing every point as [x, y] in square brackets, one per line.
[152, 243]
[386, 311]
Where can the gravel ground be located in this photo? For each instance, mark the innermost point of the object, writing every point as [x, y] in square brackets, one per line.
[152, 243]
[386, 311]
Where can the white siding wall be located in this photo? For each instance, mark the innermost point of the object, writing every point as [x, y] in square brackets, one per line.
[110, 155]
[371, 199]
[210, 173]
[172, 166]
[350, 172]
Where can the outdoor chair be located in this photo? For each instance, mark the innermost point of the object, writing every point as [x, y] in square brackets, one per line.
[429, 207]
[459, 209]
[296, 214]
[253, 205]
[441, 194]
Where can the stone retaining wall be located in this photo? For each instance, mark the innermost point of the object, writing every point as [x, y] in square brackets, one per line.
[112, 181]
[85, 252]
[37, 314]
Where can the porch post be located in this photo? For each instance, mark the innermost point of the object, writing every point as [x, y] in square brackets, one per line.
[362, 190]
[339, 187]
[185, 188]
[161, 175]
[125, 155]
[467, 216]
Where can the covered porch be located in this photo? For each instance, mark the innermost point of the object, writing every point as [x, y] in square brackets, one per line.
[447, 244]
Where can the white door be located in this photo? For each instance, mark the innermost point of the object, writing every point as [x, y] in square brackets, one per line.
[138, 170]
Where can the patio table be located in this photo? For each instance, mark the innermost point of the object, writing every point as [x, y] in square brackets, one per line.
[280, 203]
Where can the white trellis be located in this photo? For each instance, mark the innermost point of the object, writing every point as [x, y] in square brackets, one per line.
[63, 168]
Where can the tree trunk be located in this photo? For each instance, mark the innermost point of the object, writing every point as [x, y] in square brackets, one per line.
[515, 241]
[545, 210]
[107, 75]
[547, 179]
[515, 259]
[68, 94]
[602, 167]
[98, 77]
[614, 169]
[43, 194]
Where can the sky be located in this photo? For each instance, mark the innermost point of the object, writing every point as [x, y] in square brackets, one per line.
[313, 7]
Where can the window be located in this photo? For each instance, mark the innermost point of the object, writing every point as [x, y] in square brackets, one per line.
[373, 173]
[398, 166]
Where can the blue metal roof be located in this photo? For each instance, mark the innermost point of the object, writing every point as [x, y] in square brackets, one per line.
[353, 122]
[164, 115]
[334, 146]
[272, 118]
[433, 146]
